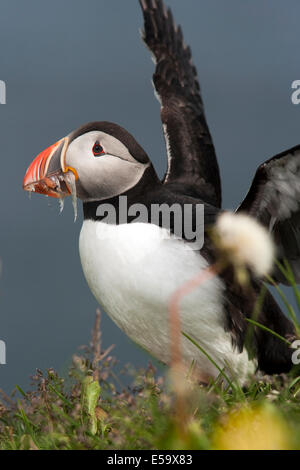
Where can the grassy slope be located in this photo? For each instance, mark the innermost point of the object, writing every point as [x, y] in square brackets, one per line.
[81, 414]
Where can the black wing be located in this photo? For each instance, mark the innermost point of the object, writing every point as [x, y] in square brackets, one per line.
[192, 162]
[240, 302]
[274, 199]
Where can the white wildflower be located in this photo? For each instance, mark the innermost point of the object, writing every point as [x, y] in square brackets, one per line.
[245, 242]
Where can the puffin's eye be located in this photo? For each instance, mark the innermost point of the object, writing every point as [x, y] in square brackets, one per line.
[97, 149]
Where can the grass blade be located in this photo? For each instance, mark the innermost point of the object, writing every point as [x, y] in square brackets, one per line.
[210, 359]
[255, 323]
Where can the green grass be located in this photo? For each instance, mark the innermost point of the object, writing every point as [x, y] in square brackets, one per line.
[86, 411]
[90, 410]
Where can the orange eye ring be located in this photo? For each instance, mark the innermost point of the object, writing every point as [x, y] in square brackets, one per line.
[98, 149]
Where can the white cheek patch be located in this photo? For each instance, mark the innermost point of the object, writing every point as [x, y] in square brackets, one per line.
[104, 176]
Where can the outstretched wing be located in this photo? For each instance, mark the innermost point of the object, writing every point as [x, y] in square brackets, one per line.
[274, 199]
[192, 163]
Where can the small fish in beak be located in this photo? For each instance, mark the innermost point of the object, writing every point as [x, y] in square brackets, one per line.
[49, 175]
[46, 173]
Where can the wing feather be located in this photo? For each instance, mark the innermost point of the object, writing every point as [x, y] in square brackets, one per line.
[274, 199]
[192, 162]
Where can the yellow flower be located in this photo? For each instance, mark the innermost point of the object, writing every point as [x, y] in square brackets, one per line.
[252, 428]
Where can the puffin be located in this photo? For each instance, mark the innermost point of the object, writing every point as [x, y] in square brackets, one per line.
[133, 264]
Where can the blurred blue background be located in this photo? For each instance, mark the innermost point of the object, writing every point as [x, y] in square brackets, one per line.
[67, 63]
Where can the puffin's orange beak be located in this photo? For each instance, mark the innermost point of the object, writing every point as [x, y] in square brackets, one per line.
[45, 175]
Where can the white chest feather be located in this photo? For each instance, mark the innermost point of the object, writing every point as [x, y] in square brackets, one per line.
[132, 271]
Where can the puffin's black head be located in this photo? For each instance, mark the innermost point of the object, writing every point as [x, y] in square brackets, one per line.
[104, 158]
